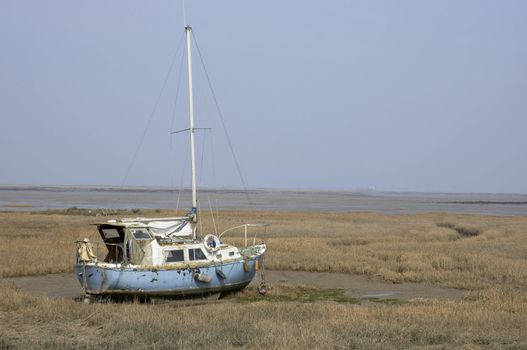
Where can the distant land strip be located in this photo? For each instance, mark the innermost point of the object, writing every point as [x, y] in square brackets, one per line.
[487, 202]
[114, 189]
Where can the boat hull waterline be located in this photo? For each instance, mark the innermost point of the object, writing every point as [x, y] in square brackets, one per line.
[159, 282]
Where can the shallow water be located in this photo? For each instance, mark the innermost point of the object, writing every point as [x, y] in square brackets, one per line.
[34, 198]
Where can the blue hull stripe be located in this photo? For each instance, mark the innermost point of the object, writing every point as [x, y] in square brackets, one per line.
[102, 280]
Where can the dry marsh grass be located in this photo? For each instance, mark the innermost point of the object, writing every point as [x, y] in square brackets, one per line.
[492, 320]
[461, 251]
[426, 248]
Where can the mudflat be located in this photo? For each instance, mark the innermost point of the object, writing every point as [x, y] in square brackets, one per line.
[65, 285]
[38, 198]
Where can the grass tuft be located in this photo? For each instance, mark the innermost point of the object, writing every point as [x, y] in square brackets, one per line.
[463, 231]
[302, 294]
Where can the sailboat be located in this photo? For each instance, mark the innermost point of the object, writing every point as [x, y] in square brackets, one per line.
[166, 257]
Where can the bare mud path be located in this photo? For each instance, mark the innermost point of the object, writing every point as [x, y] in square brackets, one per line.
[66, 285]
[359, 286]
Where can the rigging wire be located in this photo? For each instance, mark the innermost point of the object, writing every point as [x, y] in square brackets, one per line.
[172, 121]
[200, 222]
[151, 116]
[218, 109]
[184, 171]
[211, 208]
[178, 86]
[212, 216]
[213, 161]
[184, 13]
[202, 160]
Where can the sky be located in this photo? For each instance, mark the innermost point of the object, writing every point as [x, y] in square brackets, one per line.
[333, 95]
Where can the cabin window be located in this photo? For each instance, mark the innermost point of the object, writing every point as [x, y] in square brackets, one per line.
[175, 256]
[196, 254]
[110, 233]
[141, 235]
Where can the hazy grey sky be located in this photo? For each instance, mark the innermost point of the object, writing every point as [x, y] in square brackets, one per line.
[400, 95]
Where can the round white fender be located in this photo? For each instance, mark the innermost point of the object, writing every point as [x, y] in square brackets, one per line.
[212, 243]
[202, 278]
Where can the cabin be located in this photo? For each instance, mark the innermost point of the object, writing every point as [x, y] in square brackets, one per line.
[160, 242]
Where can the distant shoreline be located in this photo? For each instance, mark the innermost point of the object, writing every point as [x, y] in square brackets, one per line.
[42, 198]
[115, 188]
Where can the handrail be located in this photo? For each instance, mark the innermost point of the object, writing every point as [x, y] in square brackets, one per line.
[245, 232]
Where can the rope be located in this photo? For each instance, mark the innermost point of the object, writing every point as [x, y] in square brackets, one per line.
[177, 97]
[151, 116]
[184, 13]
[212, 215]
[200, 180]
[182, 176]
[262, 287]
[200, 221]
[218, 109]
[178, 86]
[213, 161]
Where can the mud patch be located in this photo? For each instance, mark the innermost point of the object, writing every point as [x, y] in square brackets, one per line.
[61, 285]
[351, 287]
[362, 287]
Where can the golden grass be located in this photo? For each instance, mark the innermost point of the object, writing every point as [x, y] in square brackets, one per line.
[492, 320]
[424, 248]
[419, 248]
[404, 247]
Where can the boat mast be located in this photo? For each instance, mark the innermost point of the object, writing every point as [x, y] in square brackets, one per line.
[188, 31]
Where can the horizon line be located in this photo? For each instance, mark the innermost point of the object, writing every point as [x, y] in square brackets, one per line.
[361, 190]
